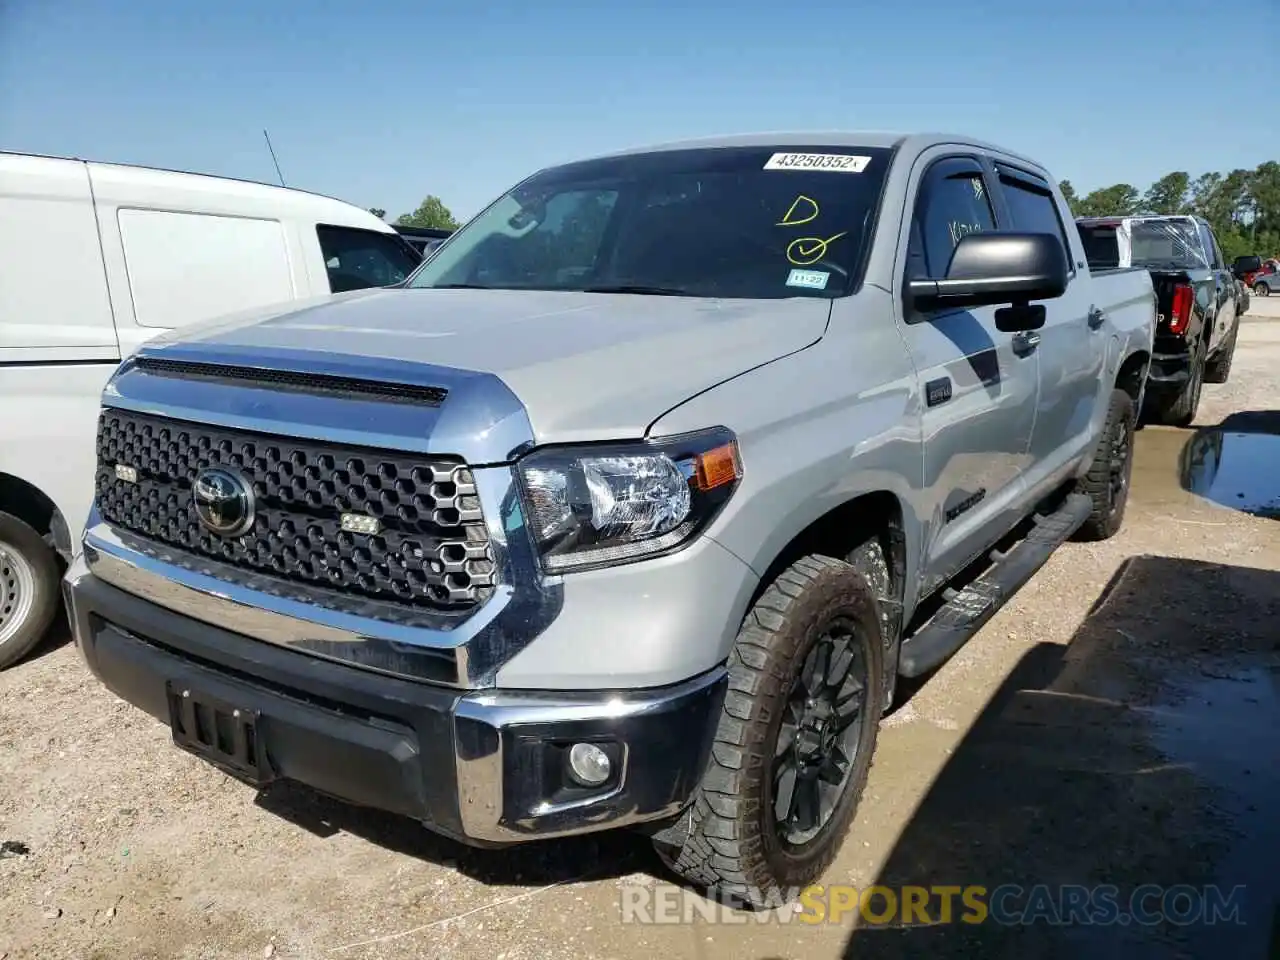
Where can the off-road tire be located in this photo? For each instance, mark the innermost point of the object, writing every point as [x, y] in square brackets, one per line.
[869, 559]
[1107, 515]
[730, 849]
[1219, 368]
[28, 583]
[1180, 410]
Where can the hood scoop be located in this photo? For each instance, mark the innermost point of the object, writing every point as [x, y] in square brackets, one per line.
[321, 384]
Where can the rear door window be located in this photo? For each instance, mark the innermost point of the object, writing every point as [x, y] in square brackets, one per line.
[1033, 209]
[355, 258]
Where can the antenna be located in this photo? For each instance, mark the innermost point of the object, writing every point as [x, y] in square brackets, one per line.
[273, 157]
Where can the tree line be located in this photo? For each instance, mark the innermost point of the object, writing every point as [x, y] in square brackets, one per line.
[1242, 206]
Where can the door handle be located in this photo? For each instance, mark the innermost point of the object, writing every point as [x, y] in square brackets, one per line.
[1096, 318]
[1026, 342]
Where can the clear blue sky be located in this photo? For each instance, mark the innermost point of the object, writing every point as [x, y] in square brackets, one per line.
[381, 103]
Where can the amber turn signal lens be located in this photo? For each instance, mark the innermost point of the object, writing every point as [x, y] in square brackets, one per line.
[717, 466]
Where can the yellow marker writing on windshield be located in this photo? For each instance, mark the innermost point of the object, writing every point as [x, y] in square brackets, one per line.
[806, 250]
[795, 210]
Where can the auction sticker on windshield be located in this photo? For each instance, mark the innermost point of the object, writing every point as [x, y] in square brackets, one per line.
[813, 279]
[827, 162]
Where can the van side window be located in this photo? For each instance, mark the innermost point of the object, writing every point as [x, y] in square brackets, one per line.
[356, 258]
[1034, 210]
[953, 206]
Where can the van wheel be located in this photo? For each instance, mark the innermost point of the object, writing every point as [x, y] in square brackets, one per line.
[794, 740]
[1219, 368]
[1107, 482]
[28, 589]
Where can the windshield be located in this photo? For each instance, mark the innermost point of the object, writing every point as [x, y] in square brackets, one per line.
[758, 222]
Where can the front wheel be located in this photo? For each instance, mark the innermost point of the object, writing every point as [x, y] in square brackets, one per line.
[28, 588]
[794, 740]
[1262, 290]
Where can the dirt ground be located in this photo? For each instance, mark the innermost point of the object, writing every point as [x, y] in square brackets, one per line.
[1115, 723]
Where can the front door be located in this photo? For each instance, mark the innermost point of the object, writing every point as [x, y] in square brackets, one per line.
[978, 386]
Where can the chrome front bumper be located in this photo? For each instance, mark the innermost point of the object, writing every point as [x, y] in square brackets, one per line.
[484, 767]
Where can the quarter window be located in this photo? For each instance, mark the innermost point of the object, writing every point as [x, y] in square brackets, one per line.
[954, 206]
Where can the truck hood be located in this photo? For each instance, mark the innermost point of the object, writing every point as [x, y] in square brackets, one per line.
[584, 366]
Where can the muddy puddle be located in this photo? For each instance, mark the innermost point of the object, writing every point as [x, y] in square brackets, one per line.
[1118, 797]
[1234, 468]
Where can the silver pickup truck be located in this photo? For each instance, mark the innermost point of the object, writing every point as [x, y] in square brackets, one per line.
[630, 507]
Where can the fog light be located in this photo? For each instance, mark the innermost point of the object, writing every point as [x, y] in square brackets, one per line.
[588, 764]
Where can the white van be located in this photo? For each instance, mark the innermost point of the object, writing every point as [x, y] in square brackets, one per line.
[96, 258]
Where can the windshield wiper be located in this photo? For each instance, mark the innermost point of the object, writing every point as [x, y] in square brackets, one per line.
[638, 288]
[458, 286]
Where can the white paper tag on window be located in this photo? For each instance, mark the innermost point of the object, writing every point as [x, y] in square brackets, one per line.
[811, 279]
[826, 162]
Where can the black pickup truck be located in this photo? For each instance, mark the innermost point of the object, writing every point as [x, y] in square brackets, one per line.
[1197, 303]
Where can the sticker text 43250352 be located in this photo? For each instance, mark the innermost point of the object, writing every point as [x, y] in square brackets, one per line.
[826, 162]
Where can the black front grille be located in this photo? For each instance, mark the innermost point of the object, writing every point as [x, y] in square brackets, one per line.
[432, 552]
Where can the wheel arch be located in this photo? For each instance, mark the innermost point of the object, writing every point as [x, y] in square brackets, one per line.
[1132, 375]
[34, 507]
[878, 513]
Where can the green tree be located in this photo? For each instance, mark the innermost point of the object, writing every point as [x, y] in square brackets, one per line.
[1069, 194]
[1120, 200]
[430, 213]
[1168, 195]
[378, 212]
[1264, 192]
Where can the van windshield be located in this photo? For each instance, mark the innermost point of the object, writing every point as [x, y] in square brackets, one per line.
[750, 222]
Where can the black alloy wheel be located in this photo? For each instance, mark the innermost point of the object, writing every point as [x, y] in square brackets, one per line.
[817, 743]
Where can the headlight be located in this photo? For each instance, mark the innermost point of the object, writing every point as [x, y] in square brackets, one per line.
[601, 504]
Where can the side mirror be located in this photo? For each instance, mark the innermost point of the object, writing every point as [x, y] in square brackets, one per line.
[996, 268]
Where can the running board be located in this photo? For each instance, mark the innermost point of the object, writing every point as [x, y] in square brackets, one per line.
[968, 609]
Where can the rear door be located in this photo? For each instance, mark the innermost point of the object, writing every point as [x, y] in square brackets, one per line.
[977, 385]
[54, 304]
[1071, 345]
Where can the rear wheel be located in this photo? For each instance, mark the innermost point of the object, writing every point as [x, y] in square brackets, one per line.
[1219, 368]
[28, 588]
[1180, 409]
[1262, 290]
[1107, 482]
[794, 740]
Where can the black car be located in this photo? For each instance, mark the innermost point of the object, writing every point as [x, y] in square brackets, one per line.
[1198, 303]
